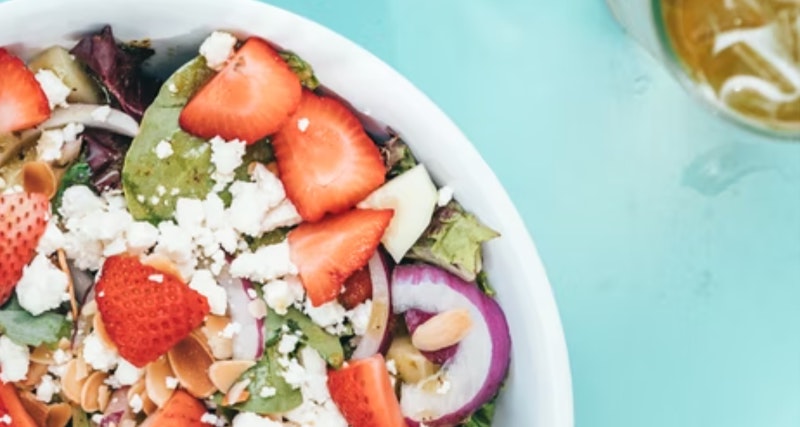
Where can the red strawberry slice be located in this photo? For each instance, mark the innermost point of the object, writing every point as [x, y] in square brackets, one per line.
[146, 311]
[181, 410]
[23, 219]
[12, 407]
[328, 252]
[326, 160]
[249, 99]
[357, 289]
[364, 394]
[23, 103]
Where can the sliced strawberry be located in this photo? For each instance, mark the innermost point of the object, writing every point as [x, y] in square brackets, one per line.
[364, 394]
[249, 99]
[181, 410]
[23, 103]
[357, 289]
[11, 407]
[23, 219]
[146, 311]
[328, 252]
[327, 162]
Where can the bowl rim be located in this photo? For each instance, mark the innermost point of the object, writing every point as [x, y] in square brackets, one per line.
[557, 408]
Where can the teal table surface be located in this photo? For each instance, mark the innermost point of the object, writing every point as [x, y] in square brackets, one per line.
[671, 238]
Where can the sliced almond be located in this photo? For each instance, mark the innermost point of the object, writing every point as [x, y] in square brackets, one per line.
[191, 359]
[35, 408]
[64, 266]
[156, 374]
[73, 379]
[103, 397]
[100, 329]
[221, 347]
[225, 373]
[237, 393]
[42, 355]
[58, 415]
[35, 373]
[443, 330]
[148, 406]
[38, 177]
[90, 392]
[163, 264]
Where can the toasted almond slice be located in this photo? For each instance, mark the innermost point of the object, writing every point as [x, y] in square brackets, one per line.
[103, 397]
[163, 264]
[190, 359]
[237, 393]
[156, 374]
[137, 388]
[148, 406]
[73, 379]
[221, 347]
[225, 373]
[58, 415]
[90, 392]
[64, 266]
[127, 423]
[35, 373]
[35, 408]
[38, 177]
[443, 330]
[100, 328]
[42, 355]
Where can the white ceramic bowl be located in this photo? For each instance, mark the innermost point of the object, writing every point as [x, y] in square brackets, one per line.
[539, 392]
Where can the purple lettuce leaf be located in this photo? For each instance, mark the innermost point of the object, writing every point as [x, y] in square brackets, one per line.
[105, 155]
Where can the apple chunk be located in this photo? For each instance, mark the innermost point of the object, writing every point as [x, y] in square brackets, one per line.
[413, 197]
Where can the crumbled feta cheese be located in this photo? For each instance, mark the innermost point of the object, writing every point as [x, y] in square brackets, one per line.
[172, 383]
[287, 344]
[136, 403]
[282, 294]
[359, 317]
[6, 419]
[164, 149]
[217, 48]
[52, 239]
[226, 157]
[14, 360]
[209, 418]
[126, 373]
[230, 330]
[311, 414]
[48, 148]
[283, 215]
[326, 315]
[101, 113]
[302, 124]
[176, 244]
[46, 388]
[157, 278]
[54, 88]
[267, 263]
[97, 418]
[267, 392]
[172, 88]
[445, 196]
[252, 201]
[204, 283]
[61, 357]
[141, 236]
[391, 366]
[41, 286]
[250, 419]
[98, 355]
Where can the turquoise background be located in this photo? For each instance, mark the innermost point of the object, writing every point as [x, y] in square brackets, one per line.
[672, 238]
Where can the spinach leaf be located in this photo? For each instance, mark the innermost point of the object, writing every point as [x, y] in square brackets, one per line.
[327, 345]
[266, 373]
[188, 169]
[302, 68]
[483, 283]
[26, 329]
[482, 417]
[78, 174]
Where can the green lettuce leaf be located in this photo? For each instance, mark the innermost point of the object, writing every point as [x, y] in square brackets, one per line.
[454, 241]
[188, 169]
[78, 174]
[302, 68]
[327, 345]
[266, 373]
[482, 417]
[397, 156]
[26, 329]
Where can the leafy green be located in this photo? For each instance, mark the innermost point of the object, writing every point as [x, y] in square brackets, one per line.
[397, 156]
[79, 418]
[483, 283]
[482, 417]
[266, 373]
[327, 345]
[26, 329]
[261, 152]
[454, 241]
[78, 174]
[188, 169]
[273, 237]
[302, 68]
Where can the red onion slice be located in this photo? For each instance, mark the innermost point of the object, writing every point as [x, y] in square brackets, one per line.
[378, 337]
[478, 368]
[248, 343]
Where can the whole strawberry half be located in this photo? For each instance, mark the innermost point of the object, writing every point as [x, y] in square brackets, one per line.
[23, 219]
[146, 311]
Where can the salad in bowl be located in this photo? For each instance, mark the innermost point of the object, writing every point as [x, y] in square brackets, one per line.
[229, 244]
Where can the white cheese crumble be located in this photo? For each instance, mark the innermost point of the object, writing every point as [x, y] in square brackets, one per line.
[52, 239]
[267, 263]
[205, 284]
[164, 149]
[157, 278]
[226, 157]
[98, 355]
[136, 403]
[359, 317]
[252, 201]
[302, 124]
[14, 360]
[445, 195]
[250, 419]
[6, 419]
[51, 144]
[217, 49]
[283, 293]
[267, 392]
[231, 329]
[326, 315]
[54, 88]
[126, 373]
[172, 383]
[288, 343]
[101, 113]
[46, 388]
[42, 286]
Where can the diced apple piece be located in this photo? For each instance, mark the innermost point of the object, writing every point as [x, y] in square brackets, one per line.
[58, 60]
[413, 197]
[412, 366]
